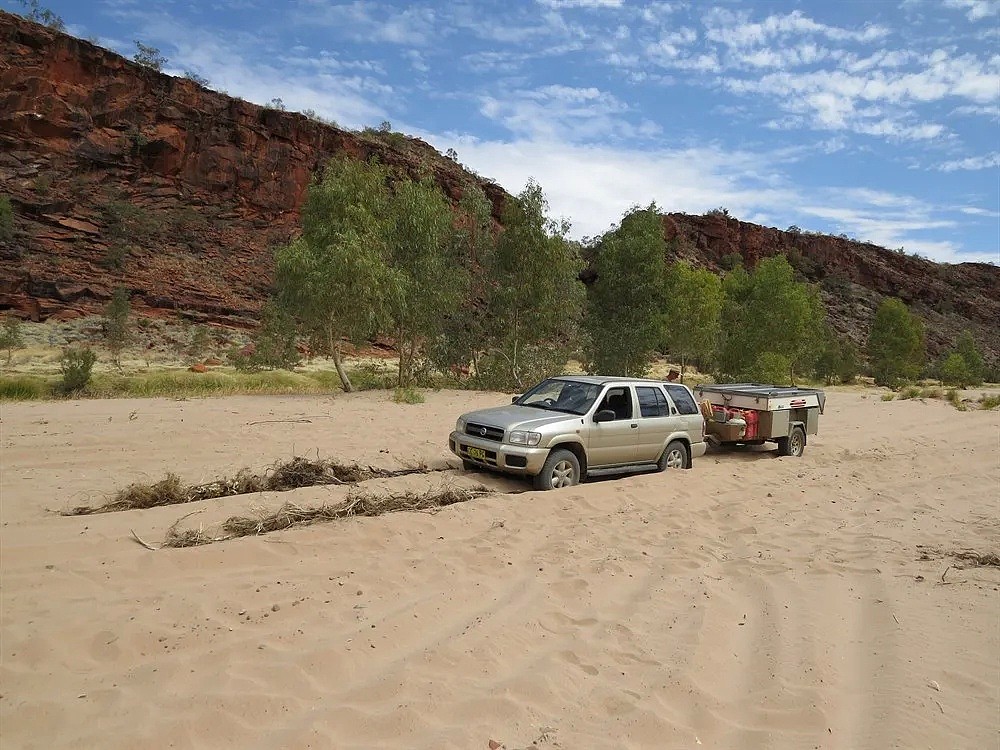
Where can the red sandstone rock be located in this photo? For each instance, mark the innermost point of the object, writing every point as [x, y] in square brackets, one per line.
[199, 367]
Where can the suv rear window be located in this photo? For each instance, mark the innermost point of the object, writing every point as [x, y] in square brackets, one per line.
[652, 402]
[682, 399]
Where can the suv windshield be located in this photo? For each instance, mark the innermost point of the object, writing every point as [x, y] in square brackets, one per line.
[561, 395]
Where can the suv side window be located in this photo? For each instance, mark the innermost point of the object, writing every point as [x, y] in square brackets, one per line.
[652, 402]
[682, 399]
[618, 400]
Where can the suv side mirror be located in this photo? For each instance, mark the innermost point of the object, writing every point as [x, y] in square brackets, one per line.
[513, 399]
[604, 415]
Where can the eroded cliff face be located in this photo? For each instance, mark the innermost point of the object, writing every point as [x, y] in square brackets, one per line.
[122, 175]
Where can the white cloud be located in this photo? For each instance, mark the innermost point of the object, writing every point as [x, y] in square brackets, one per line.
[593, 185]
[735, 29]
[565, 112]
[987, 161]
[559, 4]
[363, 21]
[976, 211]
[975, 10]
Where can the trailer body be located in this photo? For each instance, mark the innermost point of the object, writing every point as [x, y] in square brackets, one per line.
[753, 413]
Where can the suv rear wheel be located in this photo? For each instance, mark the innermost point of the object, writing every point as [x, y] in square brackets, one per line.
[674, 456]
[561, 469]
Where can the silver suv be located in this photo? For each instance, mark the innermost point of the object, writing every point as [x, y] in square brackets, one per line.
[573, 426]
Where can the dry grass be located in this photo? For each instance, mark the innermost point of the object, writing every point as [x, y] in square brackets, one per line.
[978, 560]
[282, 476]
[291, 515]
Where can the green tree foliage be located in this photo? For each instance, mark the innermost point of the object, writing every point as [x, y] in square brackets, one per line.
[335, 281]
[42, 15]
[962, 366]
[967, 349]
[148, 56]
[116, 328]
[693, 308]
[76, 366]
[767, 312]
[955, 371]
[838, 361]
[895, 344]
[427, 276]
[535, 302]
[11, 336]
[274, 343]
[6, 219]
[625, 304]
[467, 330]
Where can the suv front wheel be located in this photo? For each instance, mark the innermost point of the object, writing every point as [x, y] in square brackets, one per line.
[561, 469]
[674, 456]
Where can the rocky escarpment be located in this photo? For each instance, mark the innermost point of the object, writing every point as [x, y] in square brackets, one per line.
[119, 174]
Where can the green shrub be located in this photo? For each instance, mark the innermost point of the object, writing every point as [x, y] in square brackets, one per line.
[11, 337]
[989, 402]
[955, 371]
[955, 399]
[273, 347]
[117, 334]
[6, 219]
[76, 366]
[148, 56]
[408, 396]
[888, 396]
[372, 376]
[910, 391]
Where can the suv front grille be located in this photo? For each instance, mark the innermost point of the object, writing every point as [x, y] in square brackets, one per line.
[484, 431]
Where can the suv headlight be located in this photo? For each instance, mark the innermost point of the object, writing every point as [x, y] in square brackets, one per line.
[460, 425]
[520, 437]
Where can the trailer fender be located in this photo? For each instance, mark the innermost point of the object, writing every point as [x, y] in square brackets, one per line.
[793, 424]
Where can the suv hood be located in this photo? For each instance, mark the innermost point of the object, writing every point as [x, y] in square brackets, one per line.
[518, 417]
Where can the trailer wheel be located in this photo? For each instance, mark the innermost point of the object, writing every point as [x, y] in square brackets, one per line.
[794, 444]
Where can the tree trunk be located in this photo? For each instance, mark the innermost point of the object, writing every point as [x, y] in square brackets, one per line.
[334, 346]
[401, 348]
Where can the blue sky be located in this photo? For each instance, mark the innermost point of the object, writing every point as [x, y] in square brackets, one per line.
[877, 119]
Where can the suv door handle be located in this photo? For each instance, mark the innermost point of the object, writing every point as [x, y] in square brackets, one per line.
[634, 426]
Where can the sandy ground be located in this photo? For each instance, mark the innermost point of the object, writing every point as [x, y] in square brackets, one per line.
[753, 602]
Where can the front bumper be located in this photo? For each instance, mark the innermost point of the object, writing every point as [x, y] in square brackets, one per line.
[516, 459]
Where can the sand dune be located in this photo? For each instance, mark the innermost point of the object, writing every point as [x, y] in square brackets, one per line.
[753, 602]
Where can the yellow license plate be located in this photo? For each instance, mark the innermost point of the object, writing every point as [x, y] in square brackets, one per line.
[477, 453]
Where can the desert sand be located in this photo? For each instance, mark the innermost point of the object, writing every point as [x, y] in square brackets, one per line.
[752, 602]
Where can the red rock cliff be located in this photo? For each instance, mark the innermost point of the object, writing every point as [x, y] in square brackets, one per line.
[119, 174]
